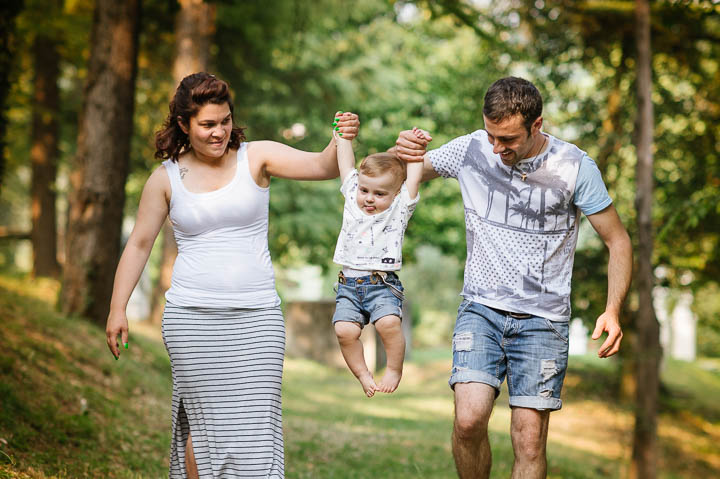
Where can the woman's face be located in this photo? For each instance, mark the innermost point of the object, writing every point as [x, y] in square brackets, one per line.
[209, 130]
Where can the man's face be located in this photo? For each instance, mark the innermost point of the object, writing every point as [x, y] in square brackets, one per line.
[511, 140]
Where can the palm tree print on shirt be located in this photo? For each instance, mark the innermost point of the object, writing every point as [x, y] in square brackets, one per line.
[533, 228]
[497, 179]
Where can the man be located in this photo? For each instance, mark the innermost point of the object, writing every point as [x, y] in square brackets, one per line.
[522, 191]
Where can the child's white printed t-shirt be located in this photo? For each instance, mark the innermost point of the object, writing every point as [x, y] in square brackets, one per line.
[372, 242]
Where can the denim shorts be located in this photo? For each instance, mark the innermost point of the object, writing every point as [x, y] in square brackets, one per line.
[366, 299]
[489, 344]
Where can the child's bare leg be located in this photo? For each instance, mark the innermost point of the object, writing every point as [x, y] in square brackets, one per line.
[390, 330]
[348, 334]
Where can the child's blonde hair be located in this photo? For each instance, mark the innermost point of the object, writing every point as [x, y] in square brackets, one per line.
[380, 163]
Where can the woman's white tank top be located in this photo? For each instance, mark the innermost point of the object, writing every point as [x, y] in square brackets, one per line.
[223, 259]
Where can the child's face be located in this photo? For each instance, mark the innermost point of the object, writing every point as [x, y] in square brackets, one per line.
[376, 193]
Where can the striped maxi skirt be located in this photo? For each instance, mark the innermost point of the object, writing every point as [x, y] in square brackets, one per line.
[227, 374]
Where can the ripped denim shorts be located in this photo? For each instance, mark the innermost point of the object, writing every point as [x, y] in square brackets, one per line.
[489, 344]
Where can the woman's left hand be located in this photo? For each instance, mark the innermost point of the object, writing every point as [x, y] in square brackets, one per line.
[348, 124]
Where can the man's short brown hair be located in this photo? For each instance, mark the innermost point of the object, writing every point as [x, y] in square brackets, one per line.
[510, 96]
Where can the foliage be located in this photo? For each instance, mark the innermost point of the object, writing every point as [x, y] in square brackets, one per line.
[154, 88]
[68, 23]
[394, 75]
[586, 58]
[9, 11]
[706, 305]
[432, 285]
[425, 63]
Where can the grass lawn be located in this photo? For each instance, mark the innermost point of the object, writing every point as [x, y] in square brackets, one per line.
[69, 410]
[332, 430]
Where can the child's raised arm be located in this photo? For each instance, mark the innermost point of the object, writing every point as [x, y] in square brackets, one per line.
[414, 168]
[345, 154]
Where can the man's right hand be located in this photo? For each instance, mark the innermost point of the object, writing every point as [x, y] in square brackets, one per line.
[410, 146]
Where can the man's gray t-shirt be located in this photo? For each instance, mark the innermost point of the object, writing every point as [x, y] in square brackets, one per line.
[521, 221]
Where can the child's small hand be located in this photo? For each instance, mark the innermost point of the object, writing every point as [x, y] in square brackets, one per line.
[422, 134]
[346, 125]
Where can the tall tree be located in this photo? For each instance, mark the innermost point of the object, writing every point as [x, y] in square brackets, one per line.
[648, 351]
[44, 155]
[194, 28]
[101, 163]
[9, 10]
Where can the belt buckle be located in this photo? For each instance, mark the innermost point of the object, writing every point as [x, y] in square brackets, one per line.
[519, 315]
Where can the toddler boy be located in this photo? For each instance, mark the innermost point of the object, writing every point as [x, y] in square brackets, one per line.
[380, 196]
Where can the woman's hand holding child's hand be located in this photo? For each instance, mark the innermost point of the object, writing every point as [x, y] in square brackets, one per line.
[346, 125]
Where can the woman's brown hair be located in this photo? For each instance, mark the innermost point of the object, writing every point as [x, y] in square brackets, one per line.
[194, 92]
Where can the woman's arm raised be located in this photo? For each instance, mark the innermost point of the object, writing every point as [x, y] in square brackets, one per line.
[270, 158]
[152, 211]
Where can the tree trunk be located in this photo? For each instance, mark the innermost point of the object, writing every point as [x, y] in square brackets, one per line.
[43, 156]
[9, 10]
[102, 161]
[645, 455]
[194, 27]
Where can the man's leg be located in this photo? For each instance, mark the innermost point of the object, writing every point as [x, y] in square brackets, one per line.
[528, 431]
[537, 360]
[470, 442]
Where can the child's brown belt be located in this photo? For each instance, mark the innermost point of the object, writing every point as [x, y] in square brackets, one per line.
[375, 278]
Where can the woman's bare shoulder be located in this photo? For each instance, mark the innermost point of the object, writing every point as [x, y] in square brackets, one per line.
[158, 183]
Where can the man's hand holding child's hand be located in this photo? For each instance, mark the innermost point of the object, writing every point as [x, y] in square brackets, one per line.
[411, 145]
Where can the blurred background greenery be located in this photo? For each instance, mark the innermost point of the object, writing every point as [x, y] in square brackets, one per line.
[291, 64]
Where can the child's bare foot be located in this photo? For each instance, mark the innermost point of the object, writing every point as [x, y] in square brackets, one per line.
[390, 380]
[368, 384]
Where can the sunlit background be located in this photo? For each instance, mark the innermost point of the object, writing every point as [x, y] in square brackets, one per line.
[291, 65]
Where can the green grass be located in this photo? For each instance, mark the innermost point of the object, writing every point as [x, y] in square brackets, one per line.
[332, 430]
[692, 389]
[69, 410]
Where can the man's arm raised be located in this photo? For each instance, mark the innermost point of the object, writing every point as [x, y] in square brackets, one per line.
[411, 148]
[415, 169]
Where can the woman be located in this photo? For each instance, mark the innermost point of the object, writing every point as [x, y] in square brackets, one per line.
[222, 325]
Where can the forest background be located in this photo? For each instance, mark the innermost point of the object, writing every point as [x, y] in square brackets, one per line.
[292, 64]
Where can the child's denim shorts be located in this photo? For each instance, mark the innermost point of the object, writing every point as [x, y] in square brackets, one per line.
[489, 344]
[365, 299]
